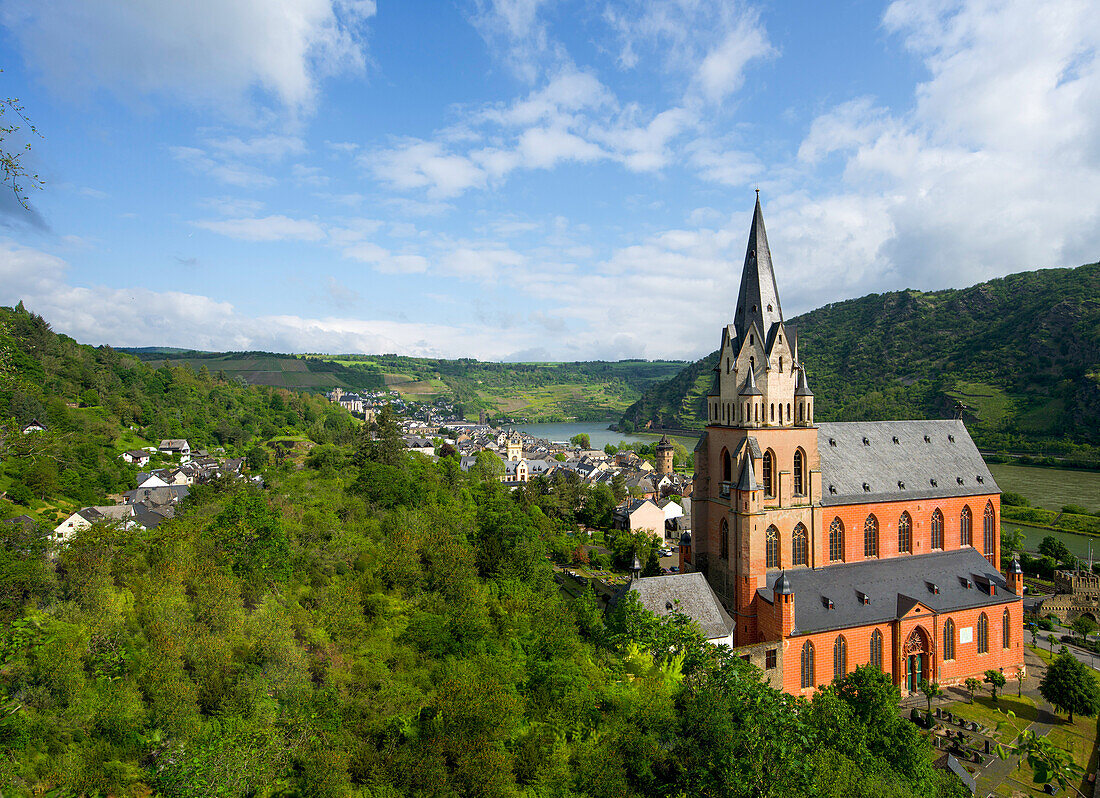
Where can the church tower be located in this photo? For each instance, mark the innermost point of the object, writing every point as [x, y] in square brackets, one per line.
[757, 465]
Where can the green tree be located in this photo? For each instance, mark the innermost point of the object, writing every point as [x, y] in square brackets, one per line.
[996, 681]
[930, 690]
[610, 449]
[1056, 550]
[1070, 686]
[581, 440]
[972, 685]
[13, 173]
[1084, 626]
[256, 458]
[487, 466]
[381, 443]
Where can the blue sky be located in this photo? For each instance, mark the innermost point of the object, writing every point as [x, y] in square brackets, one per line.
[530, 179]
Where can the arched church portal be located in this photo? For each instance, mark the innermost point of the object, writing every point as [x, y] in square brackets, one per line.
[916, 657]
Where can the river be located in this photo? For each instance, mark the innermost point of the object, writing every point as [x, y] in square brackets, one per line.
[597, 432]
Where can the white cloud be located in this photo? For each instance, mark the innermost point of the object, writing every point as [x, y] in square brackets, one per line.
[206, 52]
[232, 206]
[267, 228]
[141, 317]
[424, 164]
[234, 174]
[710, 41]
[272, 147]
[514, 33]
[995, 169]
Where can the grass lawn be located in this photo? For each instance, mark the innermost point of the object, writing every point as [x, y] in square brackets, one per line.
[1079, 738]
[1042, 653]
[990, 714]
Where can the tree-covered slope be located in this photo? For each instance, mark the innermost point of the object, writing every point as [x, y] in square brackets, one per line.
[1020, 353]
[96, 402]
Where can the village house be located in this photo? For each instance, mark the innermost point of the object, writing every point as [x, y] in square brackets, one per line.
[640, 515]
[138, 457]
[173, 447]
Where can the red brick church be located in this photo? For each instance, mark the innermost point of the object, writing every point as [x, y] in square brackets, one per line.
[844, 543]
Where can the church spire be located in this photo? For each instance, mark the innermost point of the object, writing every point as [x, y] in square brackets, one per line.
[758, 298]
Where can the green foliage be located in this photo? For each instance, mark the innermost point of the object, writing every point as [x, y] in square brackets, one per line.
[1011, 499]
[996, 681]
[581, 440]
[1018, 353]
[1056, 550]
[1070, 686]
[1083, 626]
[972, 685]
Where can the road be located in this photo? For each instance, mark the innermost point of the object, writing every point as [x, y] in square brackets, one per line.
[1082, 655]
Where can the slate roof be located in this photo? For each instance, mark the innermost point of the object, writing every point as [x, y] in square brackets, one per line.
[899, 460]
[749, 388]
[686, 593]
[758, 297]
[893, 586]
[803, 387]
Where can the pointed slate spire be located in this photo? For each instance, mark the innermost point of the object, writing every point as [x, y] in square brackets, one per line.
[749, 388]
[747, 481]
[803, 387]
[758, 298]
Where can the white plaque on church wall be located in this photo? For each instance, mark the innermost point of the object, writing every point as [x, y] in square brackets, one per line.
[966, 634]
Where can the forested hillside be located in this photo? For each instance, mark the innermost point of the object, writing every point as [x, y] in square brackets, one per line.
[376, 624]
[1021, 354]
[96, 402]
[583, 390]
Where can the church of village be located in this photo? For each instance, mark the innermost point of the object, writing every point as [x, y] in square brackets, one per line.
[831, 545]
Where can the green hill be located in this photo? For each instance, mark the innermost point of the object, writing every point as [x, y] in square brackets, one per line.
[585, 390]
[96, 402]
[1020, 354]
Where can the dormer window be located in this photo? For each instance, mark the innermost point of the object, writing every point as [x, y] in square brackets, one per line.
[933, 588]
[981, 480]
[896, 441]
[668, 606]
[866, 442]
[832, 489]
[901, 485]
[832, 441]
[927, 439]
[863, 597]
[934, 483]
[866, 488]
[951, 438]
[827, 603]
[959, 480]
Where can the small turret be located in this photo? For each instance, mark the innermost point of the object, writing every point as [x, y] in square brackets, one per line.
[635, 567]
[685, 551]
[784, 605]
[803, 400]
[1015, 577]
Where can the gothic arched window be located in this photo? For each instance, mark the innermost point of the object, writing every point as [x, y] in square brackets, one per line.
[840, 657]
[1006, 632]
[724, 540]
[799, 546]
[983, 634]
[937, 529]
[727, 466]
[989, 529]
[870, 537]
[949, 640]
[905, 534]
[769, 471]
[799, 472]
[807, 665]
[965, 522]
[771, 547]
[836, 540]
[876, 649]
